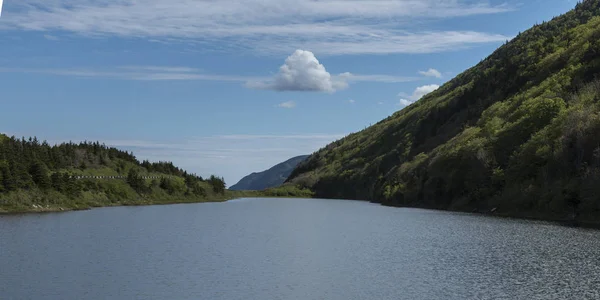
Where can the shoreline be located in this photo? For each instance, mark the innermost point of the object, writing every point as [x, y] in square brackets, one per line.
[551, 218]
[39, 209]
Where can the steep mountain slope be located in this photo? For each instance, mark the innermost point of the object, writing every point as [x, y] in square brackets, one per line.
[519, 132]
[270, 178]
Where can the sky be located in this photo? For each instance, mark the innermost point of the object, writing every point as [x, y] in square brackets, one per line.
[235, 87]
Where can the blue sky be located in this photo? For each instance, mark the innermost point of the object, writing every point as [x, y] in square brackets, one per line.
[233, 87]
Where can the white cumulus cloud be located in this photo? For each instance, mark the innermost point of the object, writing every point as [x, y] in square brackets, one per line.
[419, 93]
[405, 102]
[301, 72]
[431, 73]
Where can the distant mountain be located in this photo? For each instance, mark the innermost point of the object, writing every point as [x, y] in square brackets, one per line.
[272, 177]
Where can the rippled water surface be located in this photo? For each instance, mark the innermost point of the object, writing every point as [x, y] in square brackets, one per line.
[292, 249]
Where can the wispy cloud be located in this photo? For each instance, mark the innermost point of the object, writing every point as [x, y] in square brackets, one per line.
[431, 73]
[419, 93]
[264, 26]
[137, 73]
[49, 37]
[298, 74]
[166, 69]
[351, 101]
[349, 77]
[287, 104]
[279, 137]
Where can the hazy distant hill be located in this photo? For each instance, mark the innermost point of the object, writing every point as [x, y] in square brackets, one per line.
[272, 177]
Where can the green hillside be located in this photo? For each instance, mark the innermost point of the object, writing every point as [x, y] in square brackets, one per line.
[37, 176]
[519, 133]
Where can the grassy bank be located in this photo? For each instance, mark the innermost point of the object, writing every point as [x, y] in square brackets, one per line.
[35, 200]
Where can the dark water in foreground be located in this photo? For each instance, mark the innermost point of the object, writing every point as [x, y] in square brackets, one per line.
[292, 249]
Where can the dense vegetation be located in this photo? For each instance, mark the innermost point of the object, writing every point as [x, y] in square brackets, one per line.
[270, 178]
[36, 174]
[519, 134]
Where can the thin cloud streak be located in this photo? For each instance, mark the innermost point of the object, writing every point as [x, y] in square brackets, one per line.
[287, 104]
[160, 69]
[157, 73]
[411, 43]
[49, 37]
[349, 77]
[328, 27]
[142, 74]
[284, 137]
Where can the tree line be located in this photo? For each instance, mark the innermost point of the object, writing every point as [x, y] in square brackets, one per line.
[28, 164]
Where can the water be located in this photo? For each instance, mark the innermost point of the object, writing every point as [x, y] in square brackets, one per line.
[292, 249]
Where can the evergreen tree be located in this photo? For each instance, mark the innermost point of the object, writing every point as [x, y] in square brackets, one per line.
[57, 181]
[22, 177]
[8, 180]
[198, 190]
[71, 186]
[218, 184]
[136, 181]
[39, 174]
[167, 185]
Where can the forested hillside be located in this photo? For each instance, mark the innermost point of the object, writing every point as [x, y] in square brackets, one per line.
[519, 133]
[36, 174]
